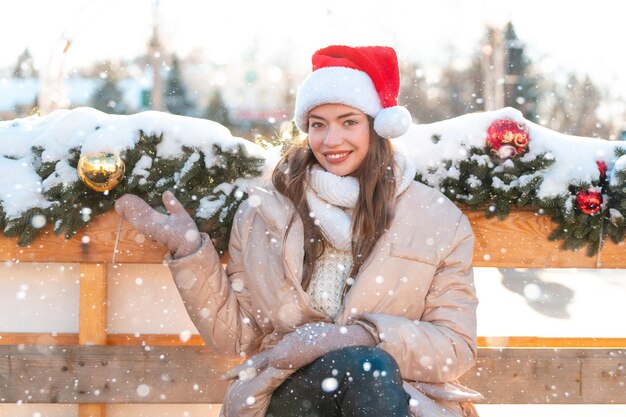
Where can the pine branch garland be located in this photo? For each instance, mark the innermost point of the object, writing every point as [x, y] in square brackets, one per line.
[482, 184]
[615, 226]
[74, 205]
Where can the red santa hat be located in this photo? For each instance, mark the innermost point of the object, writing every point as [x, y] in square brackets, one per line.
[366, 78]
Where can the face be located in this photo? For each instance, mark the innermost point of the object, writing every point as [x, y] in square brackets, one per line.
[339, 137]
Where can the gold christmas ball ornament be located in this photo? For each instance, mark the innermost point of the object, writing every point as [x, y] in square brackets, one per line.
[100, 171]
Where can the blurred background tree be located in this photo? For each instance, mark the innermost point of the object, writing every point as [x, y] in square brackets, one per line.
[500, 74]
[108, 96]
[217, 110]
[175, 95]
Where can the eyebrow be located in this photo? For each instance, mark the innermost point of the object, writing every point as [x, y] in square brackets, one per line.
[341, 116]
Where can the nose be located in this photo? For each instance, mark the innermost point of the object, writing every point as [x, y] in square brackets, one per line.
[333, 136]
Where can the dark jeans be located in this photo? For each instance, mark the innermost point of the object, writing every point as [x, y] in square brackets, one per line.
[354, 381]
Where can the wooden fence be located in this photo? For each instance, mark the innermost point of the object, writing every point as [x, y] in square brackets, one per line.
[93, 368]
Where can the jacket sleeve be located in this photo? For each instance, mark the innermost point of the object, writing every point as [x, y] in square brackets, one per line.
[218, 301]
[441, 346]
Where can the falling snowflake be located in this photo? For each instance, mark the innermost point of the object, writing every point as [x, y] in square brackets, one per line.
[330, 384]
[143, 390]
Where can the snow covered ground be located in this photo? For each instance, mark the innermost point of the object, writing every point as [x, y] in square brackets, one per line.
[551, 302]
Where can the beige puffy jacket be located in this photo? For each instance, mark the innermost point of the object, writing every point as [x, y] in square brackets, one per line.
[415, 294]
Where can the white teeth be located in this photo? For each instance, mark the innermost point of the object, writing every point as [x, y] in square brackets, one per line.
[336, 156]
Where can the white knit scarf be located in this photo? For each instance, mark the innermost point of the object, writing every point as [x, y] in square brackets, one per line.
[328, 194]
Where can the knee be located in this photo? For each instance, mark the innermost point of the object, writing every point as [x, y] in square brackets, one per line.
[368, 359]
[379, 360]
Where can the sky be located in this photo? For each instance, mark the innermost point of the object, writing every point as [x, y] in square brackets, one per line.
[572, 35]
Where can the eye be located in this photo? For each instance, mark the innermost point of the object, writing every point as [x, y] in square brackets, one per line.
[315, 125]
[350, 122]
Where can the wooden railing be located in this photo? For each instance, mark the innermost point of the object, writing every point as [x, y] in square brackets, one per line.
[93, 368]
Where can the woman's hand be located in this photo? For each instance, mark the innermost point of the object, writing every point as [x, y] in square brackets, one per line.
[303, 346]
[295, 350]
[177, 231]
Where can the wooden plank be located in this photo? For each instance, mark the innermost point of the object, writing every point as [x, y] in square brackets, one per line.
[93, 304]
[556, 342]
[612, 255]
[111, 374]
[520, 241]
[550, 376]
[132, 248]
[128, 339]
[593, 378]
[120, 339]
[38, 338]
[190, 374]
[91, 410]
[153, 340]
[92, 327]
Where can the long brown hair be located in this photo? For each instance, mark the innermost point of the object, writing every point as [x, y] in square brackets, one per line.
[374, 208]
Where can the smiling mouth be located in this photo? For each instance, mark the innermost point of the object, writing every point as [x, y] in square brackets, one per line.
[335, 157]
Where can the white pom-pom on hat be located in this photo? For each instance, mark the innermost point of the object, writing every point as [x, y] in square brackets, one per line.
[392, 122]
[366, 78]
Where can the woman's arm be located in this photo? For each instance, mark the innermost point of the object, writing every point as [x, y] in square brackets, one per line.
[221, 313]
[218, 302]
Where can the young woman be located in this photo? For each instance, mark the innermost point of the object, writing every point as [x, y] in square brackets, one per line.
[349, 287]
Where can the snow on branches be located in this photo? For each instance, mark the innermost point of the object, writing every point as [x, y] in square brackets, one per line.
[493, 161]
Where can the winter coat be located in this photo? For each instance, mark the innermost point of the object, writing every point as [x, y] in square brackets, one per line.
[415, 294]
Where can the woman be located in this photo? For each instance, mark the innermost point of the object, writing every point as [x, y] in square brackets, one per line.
[349, 287]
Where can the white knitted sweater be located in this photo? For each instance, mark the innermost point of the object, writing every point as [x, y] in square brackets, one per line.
[329, 276]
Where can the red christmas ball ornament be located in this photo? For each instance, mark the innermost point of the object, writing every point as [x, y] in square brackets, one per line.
[507, 138]
[602, 168]
[589, 201]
